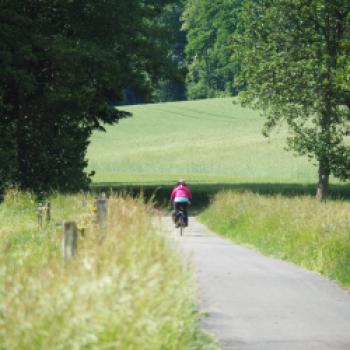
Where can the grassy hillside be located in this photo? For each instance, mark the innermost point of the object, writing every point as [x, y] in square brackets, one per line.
[204, 141]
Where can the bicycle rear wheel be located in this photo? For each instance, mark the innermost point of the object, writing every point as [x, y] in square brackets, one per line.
[181, 224]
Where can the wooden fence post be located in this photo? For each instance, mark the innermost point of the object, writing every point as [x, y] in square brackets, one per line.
[40, 215]
[70, 240]
[102, 212]
[48, 212]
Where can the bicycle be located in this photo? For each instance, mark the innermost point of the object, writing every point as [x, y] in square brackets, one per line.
[180, 220]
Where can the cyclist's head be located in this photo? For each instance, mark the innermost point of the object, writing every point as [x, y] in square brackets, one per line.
[181, 182]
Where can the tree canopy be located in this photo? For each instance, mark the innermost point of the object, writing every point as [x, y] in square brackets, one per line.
[209, 26]
[64, 64]
[294, 56]
[172, 86]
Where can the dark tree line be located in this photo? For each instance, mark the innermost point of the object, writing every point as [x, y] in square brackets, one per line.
[210, 26]
[201, 41]
[172, 87]
[64, 64]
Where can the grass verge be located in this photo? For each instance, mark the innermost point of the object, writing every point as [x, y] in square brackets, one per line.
[314, 235]
[126, 289]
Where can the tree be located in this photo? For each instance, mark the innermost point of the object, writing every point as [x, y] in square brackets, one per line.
[64, 63]
[209, 26]
[294, 56]
[172, 86]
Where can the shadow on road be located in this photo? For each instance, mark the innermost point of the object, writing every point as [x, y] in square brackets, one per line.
[204, 193]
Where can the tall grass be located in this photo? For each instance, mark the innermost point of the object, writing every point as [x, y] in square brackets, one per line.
[302, 230]
[126, 289]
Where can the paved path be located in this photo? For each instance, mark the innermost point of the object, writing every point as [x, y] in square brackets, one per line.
[260, 303]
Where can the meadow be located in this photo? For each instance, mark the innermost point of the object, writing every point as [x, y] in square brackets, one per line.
[205, 141]
[299, 229]
[127, 288]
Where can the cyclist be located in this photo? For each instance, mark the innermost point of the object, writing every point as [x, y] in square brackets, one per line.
[181, 196]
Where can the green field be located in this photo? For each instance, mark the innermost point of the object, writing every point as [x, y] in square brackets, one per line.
[206, 141]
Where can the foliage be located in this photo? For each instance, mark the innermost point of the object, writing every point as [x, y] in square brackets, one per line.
[172, 86]
[209, 26]
[314, 235]
[294, 56]
[127, 290]
[64, 64]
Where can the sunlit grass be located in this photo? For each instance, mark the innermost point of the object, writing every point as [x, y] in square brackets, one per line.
[126, 289]
[302, 230]
[209, 141]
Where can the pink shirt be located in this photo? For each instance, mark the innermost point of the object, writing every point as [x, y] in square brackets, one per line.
[181, 191]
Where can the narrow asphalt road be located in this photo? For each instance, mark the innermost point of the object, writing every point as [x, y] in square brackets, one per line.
[260, 303]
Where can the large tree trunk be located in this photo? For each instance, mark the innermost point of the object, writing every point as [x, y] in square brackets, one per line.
[323, 182]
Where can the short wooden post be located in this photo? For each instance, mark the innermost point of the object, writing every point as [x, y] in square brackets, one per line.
[101, 212]
[70, 240]
[40, 215]
[48, 212]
